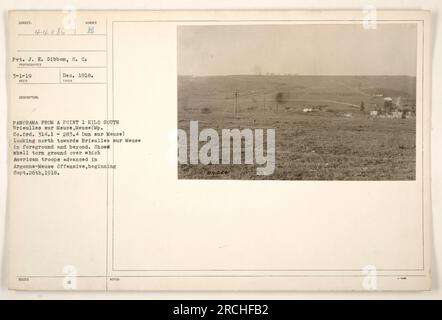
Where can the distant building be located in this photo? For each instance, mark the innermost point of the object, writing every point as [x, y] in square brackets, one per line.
[396, 114]
[388, 104]
[409, 115]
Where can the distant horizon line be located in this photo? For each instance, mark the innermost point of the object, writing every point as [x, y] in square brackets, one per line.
[298, 74]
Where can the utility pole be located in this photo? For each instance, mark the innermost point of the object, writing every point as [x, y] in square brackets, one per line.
[236, 93]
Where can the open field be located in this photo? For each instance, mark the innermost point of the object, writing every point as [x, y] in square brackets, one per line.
[335, 141]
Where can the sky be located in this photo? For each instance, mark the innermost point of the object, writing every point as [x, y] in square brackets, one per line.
[318, 49]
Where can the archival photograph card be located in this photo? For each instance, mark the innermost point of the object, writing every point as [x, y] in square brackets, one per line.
[270, 150]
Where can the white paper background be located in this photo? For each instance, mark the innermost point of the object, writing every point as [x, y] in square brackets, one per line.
[434, 5]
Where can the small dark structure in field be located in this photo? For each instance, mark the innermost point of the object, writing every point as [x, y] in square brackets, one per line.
[281, 98]
[205, 110]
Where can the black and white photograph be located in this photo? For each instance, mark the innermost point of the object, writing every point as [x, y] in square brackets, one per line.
[297, 101]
